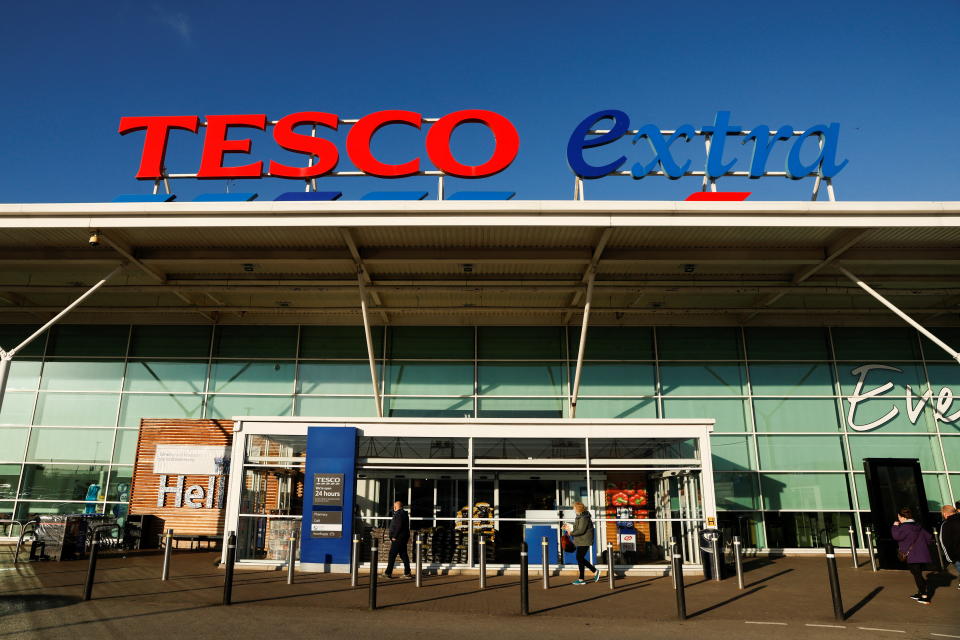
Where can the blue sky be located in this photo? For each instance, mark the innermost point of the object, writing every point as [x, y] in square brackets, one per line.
[886, 71]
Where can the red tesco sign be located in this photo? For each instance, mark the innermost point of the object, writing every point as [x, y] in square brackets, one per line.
[216, 144]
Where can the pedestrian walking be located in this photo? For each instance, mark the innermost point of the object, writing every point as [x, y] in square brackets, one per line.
[399, 537]
[914, 549]
[950, 536]
[582, 533]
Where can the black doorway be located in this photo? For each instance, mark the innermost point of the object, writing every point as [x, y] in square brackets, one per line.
[893, 483]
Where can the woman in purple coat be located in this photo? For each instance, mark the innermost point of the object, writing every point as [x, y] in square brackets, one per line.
[914, 541]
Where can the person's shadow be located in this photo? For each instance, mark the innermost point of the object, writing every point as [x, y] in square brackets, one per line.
[937, 579]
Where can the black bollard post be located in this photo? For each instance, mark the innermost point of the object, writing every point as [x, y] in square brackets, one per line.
[678, 579]
[374, 562]
[524, 584]
[167, 549]
[834, 581]
[228, 569]
[92, 567]
[418, 549]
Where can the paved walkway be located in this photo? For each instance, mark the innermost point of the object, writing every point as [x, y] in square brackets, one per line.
[788, 596]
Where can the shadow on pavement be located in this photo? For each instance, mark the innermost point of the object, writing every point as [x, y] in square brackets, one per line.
[725, 602]
[867, 598]
[770, 577]
[597, 597]
[10, 605]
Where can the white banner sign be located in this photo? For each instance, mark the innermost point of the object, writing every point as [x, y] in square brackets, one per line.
[188, 459]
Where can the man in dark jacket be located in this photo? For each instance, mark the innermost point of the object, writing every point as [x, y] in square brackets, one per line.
[950, 536]
[399, 537]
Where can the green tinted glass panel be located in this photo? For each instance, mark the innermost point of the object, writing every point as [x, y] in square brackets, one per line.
[158, 405]
[170, 341]
[523, 379]
[120, 479]
[338, 342]
[9, 477]
[875, 344]
[225, 407]
[125, 446]
[617, 408]
[26, 510]
[233, 341]
[520, 342]
[64, 482]
[791, 379]
[65, 445]
[17, 407]
[522, 408]
[24, 374]
[614, 343]
[173, 376]
[885, 414]
[796, 414]
[82, 340]
[615, 379]
[955, 483]
[732, 453]
[77, 409]
[12, 443]
[335, 377]
[736, 491]
[924, 448]
[431, 342]
[82, 375]
[804, 491]
[945, 383]
[429, 378]
[806, 453]
[233, 376]
[731, 415]
[936, 486]
[702, 379]
[334, 407]
[699, 343]
[951, 448]
[12, 335]
[908, 374]
[429, 407]
[863, 497]
[787, 343]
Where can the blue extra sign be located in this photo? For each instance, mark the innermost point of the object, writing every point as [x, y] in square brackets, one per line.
[661, 143]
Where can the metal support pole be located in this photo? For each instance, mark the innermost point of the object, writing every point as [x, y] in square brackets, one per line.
[418, 550]
[354, 560]
[92, 567]
[167, 550]
[371, 356]
[738, 560]
[483, 561]
[374, 561]
[228, 573]
[591, 274]
[868, 534]
[936, 543]
[524, 581]
[678, 577]
[291, 558]
[545, 561]
[611, 577]
[715, 562]
[889, 305]
[853, 546]
[834, 581]
[673, 549]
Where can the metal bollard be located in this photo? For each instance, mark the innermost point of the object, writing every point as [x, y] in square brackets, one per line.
[611, 576]
[483, 562]
[716, 563]
[524, 584]
[167, 549]
[678, 576]
[738, 560]
[673, 548]
[418, 550]
[545, 561]
[374, 561]
[228, 574]
[853, 546]
[834, 581]
[936, 543]
[868, 534]
[291, 558]
[354, 560]
[92, 567]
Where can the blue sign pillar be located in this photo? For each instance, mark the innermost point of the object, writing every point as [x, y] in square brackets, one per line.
[329, 490]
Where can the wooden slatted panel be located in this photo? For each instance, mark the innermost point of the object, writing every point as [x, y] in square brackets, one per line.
[146, 484]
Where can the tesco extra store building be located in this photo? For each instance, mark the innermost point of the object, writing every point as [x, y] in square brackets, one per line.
[485, 359]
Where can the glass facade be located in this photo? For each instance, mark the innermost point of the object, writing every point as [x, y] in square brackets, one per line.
[787, 451]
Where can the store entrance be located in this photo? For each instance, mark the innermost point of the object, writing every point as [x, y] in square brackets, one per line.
[893, 483]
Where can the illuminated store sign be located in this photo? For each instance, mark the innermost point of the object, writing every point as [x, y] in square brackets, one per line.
[914, 405]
